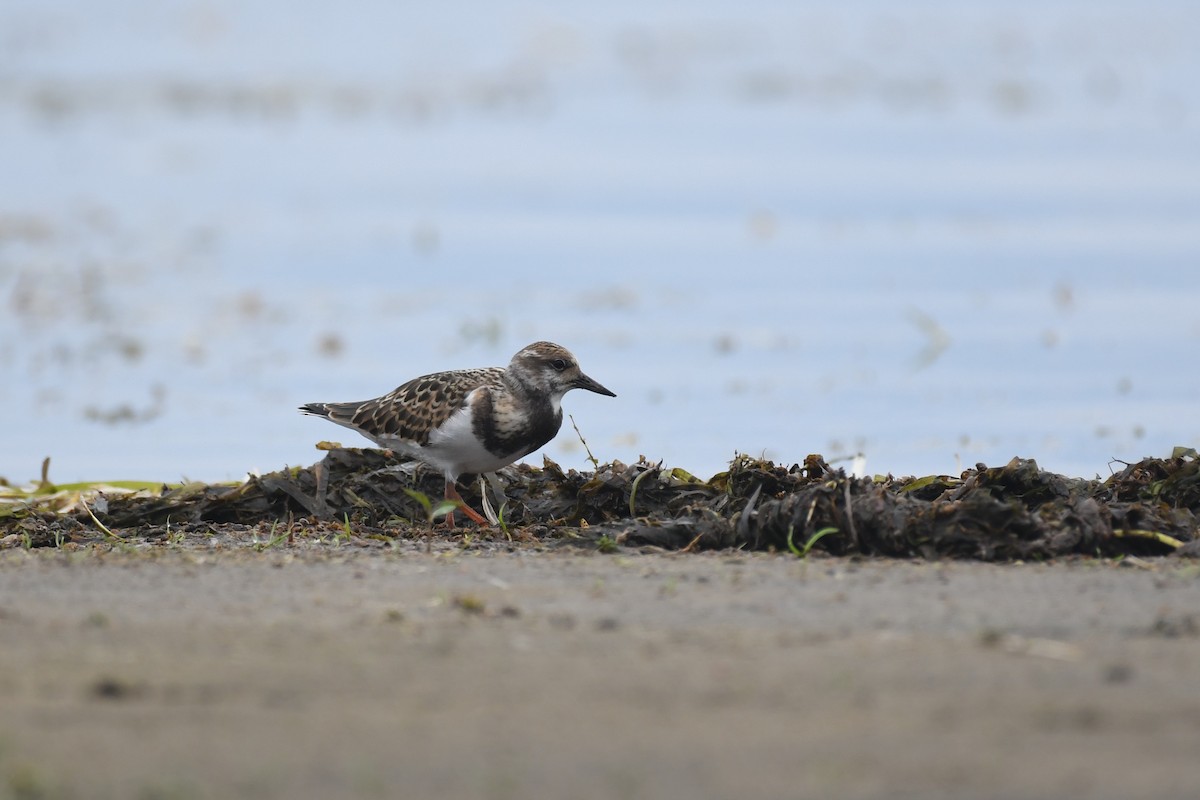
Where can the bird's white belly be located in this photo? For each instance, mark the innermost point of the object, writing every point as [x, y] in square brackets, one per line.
[454, 448]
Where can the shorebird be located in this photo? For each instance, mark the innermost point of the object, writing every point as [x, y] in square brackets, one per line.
[470, 421]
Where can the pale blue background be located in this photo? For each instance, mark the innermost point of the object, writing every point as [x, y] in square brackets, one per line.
[934, 233]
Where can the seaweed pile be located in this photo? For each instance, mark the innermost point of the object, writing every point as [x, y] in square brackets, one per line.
[1014, 511]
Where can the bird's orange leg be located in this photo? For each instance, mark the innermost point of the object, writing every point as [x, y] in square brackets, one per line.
[472, 514]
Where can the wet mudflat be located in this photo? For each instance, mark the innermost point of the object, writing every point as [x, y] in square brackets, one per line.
[438, 669]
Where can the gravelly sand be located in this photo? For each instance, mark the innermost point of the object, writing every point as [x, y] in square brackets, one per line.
[477, 673]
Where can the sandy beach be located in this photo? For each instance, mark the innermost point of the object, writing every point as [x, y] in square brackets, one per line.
[508, 672]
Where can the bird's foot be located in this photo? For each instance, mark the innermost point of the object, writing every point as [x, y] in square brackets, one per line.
[472, 514]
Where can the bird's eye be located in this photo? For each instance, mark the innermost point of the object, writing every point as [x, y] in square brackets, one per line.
[559, 364]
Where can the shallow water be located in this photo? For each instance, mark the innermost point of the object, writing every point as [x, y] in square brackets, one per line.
[934, 236]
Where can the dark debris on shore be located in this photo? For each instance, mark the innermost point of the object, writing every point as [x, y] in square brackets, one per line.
[1011, 512]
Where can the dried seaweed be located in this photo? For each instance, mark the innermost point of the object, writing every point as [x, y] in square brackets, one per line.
[1014, 511]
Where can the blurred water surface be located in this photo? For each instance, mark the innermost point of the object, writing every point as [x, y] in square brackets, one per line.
[934, 234]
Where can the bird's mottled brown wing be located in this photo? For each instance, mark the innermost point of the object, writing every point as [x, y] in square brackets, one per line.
[414, 409]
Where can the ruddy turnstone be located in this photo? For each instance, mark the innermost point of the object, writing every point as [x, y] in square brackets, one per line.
[470, 420]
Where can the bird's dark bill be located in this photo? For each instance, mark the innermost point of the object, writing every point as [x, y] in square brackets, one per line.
[584, 382]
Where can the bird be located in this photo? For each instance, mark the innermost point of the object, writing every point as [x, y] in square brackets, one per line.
[470, 421]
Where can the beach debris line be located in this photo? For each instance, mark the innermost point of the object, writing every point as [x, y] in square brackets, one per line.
[997, 513]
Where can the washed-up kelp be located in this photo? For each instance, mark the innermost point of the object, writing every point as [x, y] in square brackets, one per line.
[1014, 511]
